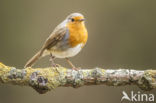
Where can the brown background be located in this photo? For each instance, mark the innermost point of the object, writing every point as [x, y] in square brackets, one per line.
[122, 34]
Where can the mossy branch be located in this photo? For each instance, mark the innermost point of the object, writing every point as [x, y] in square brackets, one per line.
[46, 79]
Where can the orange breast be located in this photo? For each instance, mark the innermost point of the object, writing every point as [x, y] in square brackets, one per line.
[78, 34]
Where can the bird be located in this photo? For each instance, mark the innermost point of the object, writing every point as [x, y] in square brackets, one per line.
[66, 40]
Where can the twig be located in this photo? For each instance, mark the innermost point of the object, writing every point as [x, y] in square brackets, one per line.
[46, 79]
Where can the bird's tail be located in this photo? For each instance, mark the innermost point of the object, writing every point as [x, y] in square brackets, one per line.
[34, 59]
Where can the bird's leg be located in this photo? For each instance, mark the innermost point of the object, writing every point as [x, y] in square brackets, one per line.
[52, 60]
[71, 64]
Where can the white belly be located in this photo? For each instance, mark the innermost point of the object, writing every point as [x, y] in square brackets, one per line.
[67, 53]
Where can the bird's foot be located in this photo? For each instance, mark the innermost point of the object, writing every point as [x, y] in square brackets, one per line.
[55, 67]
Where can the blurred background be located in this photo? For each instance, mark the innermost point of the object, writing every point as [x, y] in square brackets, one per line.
[122, 34]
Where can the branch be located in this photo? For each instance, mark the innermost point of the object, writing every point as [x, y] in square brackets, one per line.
[46, 79]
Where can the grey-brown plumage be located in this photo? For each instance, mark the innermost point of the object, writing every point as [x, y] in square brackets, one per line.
[50, 42]
[58, 43]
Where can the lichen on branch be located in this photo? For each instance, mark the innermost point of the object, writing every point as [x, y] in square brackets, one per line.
[46, 79]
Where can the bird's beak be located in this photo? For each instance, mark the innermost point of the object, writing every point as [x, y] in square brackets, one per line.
[82, 20]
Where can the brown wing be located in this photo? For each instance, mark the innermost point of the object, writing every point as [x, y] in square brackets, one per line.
[54, 38]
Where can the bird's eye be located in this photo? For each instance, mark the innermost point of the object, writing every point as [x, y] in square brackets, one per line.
[72, 20]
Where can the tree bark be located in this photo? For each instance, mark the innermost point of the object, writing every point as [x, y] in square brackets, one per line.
[46, 79]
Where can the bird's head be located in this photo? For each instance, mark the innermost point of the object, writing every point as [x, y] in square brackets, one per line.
[75, 18]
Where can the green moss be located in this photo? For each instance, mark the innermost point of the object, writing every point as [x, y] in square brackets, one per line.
[147, 81]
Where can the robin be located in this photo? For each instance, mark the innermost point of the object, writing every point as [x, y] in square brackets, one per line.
[67, 40]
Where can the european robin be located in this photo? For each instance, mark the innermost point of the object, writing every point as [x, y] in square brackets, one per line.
[67, 40]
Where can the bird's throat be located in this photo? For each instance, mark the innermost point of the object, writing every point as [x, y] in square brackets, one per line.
[78, 34]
